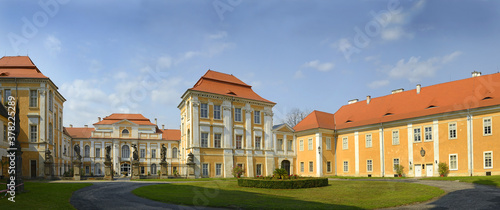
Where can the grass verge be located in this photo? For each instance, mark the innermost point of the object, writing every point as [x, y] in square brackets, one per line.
[42, 195]
[484, 180]
[356, 177]
[339, 194]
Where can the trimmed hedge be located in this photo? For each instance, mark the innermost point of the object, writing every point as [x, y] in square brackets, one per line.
[284, 184]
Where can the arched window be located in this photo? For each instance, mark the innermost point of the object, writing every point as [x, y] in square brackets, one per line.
[87, 151]
[174, 152]
[125, 133]
[153, 168]
[125, 151]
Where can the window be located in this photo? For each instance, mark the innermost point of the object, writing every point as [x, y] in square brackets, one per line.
[217, 140]
[125, 133]
[60, 124]
[217, 115]
[256, 117]
[395, 137]
[369, 165]
[174, 152]
[153, 169]
[328, 144]
[487, 126]
[204, 139]
[153, 153]
[125, 168]
[328, 166]
[453, 162]
[143, 153]
[311, 166]
[310, 144]
[87, 151]
[368, 140]
[396, 163]
[6, 95]
[257, 142]
[142, 170]
[417, 135]
[87, 170]
[488, 159]
[5, 133]
[290, 145]
[205, 169]
[301, 145]
[240, 165]
[51, 133]
[33, 98]
[125, 152]
[218, 169]
[346, 166]
[428, 133]
[204, 111]
[279, 144]
[238, 141]
[258, 170]
[51, 101]
[452, 130]
[237, 114]
[33, 133]
[301, 166]
[98, 170]
[344, 143]
[97, 152]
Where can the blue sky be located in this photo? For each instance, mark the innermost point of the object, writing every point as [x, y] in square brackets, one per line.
[141, 56]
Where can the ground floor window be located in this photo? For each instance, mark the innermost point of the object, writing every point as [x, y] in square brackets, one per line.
[142, 170]
[218, 169]
[453, 162]
[328, 166]
[153, 169]
[98, 169]
[311, 166]
[87, 170]
[396, 163]
[205, 169]
[125, 168]
[175, 170]
[488, 156]
[346, 166]
[369, 165]
[301, 166]
[259, 169]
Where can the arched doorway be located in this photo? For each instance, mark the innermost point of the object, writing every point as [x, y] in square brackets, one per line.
[286, 165]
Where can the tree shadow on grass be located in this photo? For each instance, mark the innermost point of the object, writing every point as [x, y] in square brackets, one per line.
[483, 196]
[216, 197]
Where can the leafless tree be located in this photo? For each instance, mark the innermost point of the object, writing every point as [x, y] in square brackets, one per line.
[294, 116]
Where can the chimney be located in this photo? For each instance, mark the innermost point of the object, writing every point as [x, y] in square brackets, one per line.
[86, 126]
[352, 101]
[98, 119]
[368, 99]
[398, 90]
[156, 121]
[418, 88]
[70, 125]
[163, 127]
[476, 74]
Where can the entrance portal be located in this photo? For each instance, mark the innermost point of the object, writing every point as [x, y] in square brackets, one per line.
[125, 169]
[286, 165]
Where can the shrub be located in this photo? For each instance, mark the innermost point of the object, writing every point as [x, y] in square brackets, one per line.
[283, 184]
[159, 172]
[400, 169]
[237, 172]
[280, 173]
[443, 169]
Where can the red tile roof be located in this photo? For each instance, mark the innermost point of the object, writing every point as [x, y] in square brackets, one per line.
[171, 134]
[226, 84]
[481, 91]
[19, 67]
[135, 118]
[316, 119]
[79, 133]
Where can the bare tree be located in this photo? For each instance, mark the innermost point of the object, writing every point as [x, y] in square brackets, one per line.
[294, 116]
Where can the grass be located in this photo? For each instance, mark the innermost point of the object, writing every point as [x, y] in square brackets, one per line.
[338, 195]
[484, 180]
[356, 177]
[184, 180]
[42, 195]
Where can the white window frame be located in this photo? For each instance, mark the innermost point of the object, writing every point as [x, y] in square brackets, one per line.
[217, 112]
[310, 144]
[328, 143]
[217, 141]
[33, 135]
[290, 145]
[279, 144]
[204, 139]
[236, 142]
[346, 166]
[394, 163]
[484, 160]
[175, 152]
[485, 126]
[237, 115]
[33, 99]
[125, 153]
[450, 129]
[395, 138]
[456, 162]
[311, 166]
[258, 169]
[142, 153]
[301, 145]
[256, 117]
[153, 153]
[218, 169]
[428, 133]
[97, 152]
[345, 143]
[417, 136]
[368, 140]
[258, 142]
[207, 169]
[302, 165]
[369, 165]
[86, 151]
[204, 110]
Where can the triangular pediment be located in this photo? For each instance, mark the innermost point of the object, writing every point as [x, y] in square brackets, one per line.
[284, 128]
[125, 122]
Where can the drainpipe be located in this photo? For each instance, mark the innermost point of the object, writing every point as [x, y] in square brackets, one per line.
[471, 153]
[382, 148]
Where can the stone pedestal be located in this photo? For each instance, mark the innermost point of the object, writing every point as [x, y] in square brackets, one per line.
[135, 170]
[163, 170]
[48, 169]
[108, 170]
[190, 171]
[76, 170]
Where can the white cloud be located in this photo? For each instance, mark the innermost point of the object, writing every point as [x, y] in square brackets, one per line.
[316, 64]
[95, 66]
[164, 62]
[393, 33]
[342, 45]
[52, 44]
[298, 74]
[167, 92]
[218, 35]
[378, 83]
[451, 57]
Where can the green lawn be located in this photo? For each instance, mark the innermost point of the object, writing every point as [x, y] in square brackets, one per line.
[357, 177]
[486, 180]
[41, 195]
[339, 194]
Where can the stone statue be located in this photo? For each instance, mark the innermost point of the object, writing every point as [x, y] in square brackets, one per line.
[108, 153]
[163, 153]
[48, 156]
[190, 158]
[77, 152]
[135, 153]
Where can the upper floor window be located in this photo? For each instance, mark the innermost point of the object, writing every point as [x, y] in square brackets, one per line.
[237, 114]
[204, 110]
[279, 144]
[257, 142]
[204, 139]
[328, 143]
[125, 133]
[310, 144]
[87, 151]
[417, 135]
[395, 137]
[238, 141]
[428, 133]
[345, 144]
[217, 140]
[33, 98]
[290, 145]
[33, 133]
[51, 101]
[301, 145]
[153, 153]
[368, 140]
[6, 95]
[487, 126]
[217, 114]
[452, 130]
[125, 151]
[97, 152]
[174, 152]
[143, 153]
[51, 133]
[256, 115]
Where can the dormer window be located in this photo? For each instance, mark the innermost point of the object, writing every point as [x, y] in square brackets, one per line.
[431, 106]
[387, 114]
[125, 133]
[487, 97]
